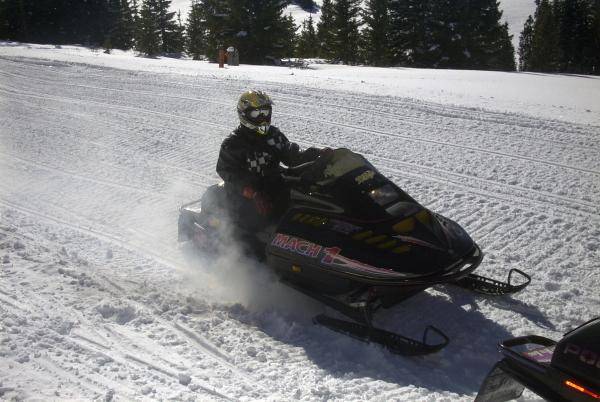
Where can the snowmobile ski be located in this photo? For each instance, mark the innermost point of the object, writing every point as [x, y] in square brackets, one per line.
[488, 286]
[394, 342]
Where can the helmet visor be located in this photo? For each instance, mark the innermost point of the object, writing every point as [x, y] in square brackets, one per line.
[255, 113]
[259, 116]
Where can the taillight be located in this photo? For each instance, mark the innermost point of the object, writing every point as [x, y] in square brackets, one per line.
[581, 389]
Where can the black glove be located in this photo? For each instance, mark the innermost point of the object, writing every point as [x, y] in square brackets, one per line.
[326, 152]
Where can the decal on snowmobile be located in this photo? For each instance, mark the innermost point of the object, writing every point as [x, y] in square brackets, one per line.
[586, 356]
[309, 219]
[365, 176]
[329, 256]
[333, 257]
[296, 245]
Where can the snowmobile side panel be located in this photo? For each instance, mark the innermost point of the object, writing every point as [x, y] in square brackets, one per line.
[330, 262]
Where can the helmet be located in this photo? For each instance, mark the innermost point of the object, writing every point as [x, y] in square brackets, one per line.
[254, 110]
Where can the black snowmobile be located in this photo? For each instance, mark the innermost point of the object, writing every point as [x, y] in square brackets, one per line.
[568, 370]
[355, 241]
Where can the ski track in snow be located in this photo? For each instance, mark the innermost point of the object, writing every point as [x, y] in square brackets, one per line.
[97, 299]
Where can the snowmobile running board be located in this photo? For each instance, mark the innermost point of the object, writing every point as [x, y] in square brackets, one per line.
[488, 286]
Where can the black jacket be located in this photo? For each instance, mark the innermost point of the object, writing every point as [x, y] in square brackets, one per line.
[248, 159]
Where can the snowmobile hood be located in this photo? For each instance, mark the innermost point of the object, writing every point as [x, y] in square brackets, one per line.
[350, 208]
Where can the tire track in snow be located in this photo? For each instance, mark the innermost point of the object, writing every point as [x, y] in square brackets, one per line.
[107, 237]
[113, 349]
[359, 128]
[470, 177]
[203, 162]
[497, 118]
[460, 183]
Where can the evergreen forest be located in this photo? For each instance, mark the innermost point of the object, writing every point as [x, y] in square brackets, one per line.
[562, 36]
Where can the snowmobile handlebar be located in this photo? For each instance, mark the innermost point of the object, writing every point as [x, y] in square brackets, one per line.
[294, 173]
[306, 172]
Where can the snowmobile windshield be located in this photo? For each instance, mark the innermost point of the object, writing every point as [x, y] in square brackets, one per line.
[360, 187]
[342, 162]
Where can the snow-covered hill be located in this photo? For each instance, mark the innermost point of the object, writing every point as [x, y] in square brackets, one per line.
[97, 299]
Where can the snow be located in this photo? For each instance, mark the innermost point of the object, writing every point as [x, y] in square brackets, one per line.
[563, 97]
[99, 301]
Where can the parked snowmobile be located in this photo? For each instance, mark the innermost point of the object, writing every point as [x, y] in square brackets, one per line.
[355, 241]
[568, 370]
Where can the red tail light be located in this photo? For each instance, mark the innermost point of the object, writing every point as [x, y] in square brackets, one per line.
[581, 389]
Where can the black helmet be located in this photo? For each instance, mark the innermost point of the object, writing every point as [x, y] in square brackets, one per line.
[254, 110]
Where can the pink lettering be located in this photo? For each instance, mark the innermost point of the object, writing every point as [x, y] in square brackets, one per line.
[588, 357]
[292, 244]
[331, 254]
[280, 240]
[313, 250]
[296, 245]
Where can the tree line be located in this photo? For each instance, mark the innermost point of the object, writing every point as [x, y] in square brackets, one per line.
[562, 36]
[148, 25]
[415, 33]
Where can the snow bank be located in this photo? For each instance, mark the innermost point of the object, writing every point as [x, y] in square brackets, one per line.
[564, 97]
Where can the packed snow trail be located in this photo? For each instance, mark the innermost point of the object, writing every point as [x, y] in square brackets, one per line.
[97, 299]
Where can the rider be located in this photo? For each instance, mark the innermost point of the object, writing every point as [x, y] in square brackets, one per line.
[249, 162]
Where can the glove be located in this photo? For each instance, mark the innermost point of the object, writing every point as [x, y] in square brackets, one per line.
[261, 202]
[325, 152]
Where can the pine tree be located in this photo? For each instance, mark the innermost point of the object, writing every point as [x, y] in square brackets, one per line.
[545, 50]
[493, 48]
[447, 34]
[127, 30]
[120, 30]
[149, 40]
[409, 30]
[217, 17]
[4, 19]
[325, 30]
[308, 42]
[526, 45]
[376, 32]
[257, 28]
[10, 21]
[345, 32]
[170, 30]
[595, 42]
[289, 39]
[575, 19]
[196, 31]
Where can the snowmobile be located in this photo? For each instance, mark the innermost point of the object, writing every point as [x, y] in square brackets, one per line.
[568, 370]
[355, 241]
